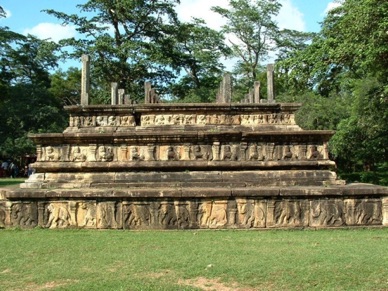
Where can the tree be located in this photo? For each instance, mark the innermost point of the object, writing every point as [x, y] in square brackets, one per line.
[26, 104]
[348, 59]
[66, 86]
[125, 40]
[351, 44]
[251, 31]
[196, 51]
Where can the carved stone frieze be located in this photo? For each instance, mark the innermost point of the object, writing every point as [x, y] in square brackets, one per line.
[57, 215]
[327, 213]
[251, 213]
[108, 214]
[213, 214]
[287, 213]
[24, 214]
[218, 119]
[136, 215]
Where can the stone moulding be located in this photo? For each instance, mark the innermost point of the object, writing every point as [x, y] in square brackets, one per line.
[188, 166]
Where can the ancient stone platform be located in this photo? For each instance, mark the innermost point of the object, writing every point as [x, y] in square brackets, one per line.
[184, 166]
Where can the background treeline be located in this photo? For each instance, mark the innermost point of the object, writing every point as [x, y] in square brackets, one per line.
[340, 74]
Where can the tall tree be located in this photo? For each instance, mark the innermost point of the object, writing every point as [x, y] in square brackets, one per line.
[348, 59]
[251, 31]
[26, 105]
[125, 40]
[196, 50]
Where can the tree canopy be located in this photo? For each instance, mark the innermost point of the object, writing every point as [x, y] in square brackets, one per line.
[339, 73]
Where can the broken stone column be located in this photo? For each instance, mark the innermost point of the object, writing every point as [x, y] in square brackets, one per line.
[270, 83]
[121, 94]
[147, 92]
[225, 92]
[256, 98]
[114, 93]
[85, 80]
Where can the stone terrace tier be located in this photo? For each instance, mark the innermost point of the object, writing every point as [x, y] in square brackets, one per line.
[253, 140]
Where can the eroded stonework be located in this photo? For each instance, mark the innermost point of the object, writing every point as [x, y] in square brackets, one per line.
[188, 166]
[247, 213]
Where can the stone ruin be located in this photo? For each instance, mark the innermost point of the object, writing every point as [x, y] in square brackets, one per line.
[187, 166]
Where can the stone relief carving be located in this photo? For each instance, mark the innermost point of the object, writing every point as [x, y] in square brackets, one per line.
[2, 215]
[251, 213]
[327, 213]
[167, 215]
[314, 153]
[172, 154]
[105, 154]
[24, 214]
[107, 215]
[58, 215]
[86, 214]
[213, 214]
[147, 120]
[52, 154]
[368, 211]
[101, 120]
[127, 120]
[136, 214]
[229, 152]
[78, 155]
[136, 154]
[199, 152]
[112, 121]
[182, 213]
[287, 213]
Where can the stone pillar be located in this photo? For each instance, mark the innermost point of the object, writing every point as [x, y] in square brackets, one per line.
[92, 153]
[147, 92]
[385, 211]
[85, 80]
[127, 99]
[41, 208]
[216, 151]
[270, 219]
[256, 98]
[121, 93]
[225, 93]
[8, 210]
[270, 83]
[114, 93]
[250, 97]
[243, 148]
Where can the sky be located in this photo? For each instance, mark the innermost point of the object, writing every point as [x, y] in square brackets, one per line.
[26, 16]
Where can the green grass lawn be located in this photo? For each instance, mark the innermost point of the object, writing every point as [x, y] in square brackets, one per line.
[336, 259]
[9, 182]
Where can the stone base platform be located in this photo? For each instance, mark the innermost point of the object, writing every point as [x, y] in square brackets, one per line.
[177, 207]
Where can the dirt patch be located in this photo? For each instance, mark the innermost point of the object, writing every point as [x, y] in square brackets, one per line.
[49, 285]
[212, 284]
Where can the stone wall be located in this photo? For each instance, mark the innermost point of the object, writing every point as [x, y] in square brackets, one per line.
[188, 166]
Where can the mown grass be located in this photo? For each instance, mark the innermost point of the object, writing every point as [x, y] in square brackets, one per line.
[7, 182]
[344, 259]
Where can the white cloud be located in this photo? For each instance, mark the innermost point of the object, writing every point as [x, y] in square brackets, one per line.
[290, 17]
[8, 13]
[201, 9]
[53, 31]
[332, 5]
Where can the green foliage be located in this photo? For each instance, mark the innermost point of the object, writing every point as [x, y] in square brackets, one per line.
[319, 112]
[251, 29]
[66, 86]
[361, 140]
[26, 105]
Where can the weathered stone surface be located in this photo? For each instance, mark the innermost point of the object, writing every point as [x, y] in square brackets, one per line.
[180, 166]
